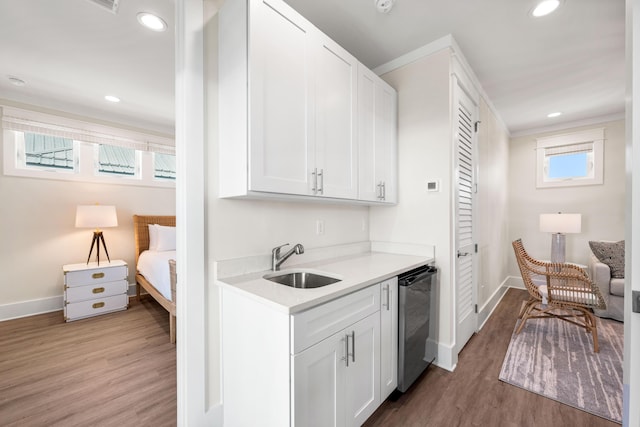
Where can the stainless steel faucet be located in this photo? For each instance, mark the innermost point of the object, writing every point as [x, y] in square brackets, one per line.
[276, 259]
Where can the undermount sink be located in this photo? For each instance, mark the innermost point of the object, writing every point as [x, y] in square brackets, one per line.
[302, 279]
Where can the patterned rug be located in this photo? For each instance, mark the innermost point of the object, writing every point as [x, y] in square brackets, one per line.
[555, 359]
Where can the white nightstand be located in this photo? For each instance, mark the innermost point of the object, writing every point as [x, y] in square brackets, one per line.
[92, 289]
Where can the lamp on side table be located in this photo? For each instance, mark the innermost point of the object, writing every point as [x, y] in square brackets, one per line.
[559, 224]
[96, 217]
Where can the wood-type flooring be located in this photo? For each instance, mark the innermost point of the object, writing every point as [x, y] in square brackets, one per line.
[472, 395]
[119, 370]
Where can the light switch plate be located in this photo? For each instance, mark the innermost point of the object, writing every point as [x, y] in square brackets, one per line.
[635, 298]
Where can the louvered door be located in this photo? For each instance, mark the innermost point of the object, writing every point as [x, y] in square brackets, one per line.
[465, 275]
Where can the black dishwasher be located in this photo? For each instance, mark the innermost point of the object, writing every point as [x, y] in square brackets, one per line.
[416, 308]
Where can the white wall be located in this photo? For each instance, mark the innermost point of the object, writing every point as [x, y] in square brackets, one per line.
[424, 154]
[38, 234]
[492, 205]
[602, 206]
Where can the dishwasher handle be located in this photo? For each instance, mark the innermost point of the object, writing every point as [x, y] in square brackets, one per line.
[410, 279]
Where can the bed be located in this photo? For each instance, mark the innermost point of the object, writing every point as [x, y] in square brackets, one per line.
[159, 278]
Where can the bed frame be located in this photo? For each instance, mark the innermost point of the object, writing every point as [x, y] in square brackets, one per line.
[141, 236]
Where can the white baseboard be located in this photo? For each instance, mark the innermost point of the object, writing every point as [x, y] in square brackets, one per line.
[487, 309]
[20, 309]
[447, 357]
[514, 282]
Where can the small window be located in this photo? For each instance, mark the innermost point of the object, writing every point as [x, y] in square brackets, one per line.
[164, 166]
[116, 160]
[571, 159]
[48, 152]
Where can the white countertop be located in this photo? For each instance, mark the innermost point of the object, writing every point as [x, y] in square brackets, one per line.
[356, 272]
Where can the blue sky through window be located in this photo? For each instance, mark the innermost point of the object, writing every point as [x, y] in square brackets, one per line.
[568, 165]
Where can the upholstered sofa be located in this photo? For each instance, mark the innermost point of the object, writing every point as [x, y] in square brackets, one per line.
[612, 288]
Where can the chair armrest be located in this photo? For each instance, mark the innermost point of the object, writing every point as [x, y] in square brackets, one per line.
[600, 274]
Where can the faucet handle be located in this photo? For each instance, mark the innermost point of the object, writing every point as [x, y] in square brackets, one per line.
[276, 250]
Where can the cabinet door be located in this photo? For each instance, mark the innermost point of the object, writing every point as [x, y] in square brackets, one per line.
[336, 122]
[318, 378]
[363, 373]
[377, 138]
[388, 337]
[280, 98]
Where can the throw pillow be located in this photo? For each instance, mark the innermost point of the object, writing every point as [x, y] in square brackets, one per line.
[612, 254]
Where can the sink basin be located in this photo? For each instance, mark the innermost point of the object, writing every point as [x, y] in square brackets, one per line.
[302, 279]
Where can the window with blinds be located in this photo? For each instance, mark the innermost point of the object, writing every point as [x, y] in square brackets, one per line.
[48, 152]
[116, 160]
[164, 166]
[37, 145]
[570, 159]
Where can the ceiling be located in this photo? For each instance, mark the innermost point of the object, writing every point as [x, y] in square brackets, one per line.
[72, 52]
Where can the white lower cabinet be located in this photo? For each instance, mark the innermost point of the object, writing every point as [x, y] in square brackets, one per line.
[336, 382]
[330, 365]
[388, 336]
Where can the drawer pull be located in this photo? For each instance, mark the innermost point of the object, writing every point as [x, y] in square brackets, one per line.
[97, 275]
[98, 290]
[98, 305]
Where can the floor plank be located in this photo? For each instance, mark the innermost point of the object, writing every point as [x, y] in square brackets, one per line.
[118, 369]
[472, 395]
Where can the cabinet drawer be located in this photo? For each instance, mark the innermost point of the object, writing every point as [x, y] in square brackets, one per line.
[94, 276]
[80, 310]
[318, 323]
[93, 291]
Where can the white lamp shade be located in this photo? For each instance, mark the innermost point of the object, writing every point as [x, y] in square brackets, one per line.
[561, 223]
[96, 216]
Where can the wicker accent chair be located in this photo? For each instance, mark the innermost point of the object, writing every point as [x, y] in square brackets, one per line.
[568, 294]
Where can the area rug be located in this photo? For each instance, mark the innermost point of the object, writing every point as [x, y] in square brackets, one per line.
[555, 359]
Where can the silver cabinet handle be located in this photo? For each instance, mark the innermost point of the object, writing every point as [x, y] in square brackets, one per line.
[388, 292]
[379, 190]
[353, 346]
[314, 174]
[321, 186]
[384, 190]
[346, 350]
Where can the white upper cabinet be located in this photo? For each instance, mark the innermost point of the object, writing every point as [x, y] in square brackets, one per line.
[280, 99]
[335, 124]
[377, 138]
[288, 107]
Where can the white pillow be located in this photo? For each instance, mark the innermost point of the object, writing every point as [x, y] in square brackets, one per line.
[166, 238]
[153, 237]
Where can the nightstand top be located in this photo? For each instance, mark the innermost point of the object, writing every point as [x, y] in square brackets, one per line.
[93, 265]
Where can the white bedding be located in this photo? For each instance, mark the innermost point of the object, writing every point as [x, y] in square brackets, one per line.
[154, 266]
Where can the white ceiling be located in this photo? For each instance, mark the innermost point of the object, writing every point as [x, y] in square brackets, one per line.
[71, 53]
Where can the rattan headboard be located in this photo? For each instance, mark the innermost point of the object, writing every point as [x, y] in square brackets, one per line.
[141, 229]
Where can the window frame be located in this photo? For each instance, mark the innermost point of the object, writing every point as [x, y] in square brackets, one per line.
[594, 137]
[86, 136]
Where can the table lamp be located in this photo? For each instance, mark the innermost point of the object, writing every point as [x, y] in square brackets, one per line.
[97, 217]
[559, 224]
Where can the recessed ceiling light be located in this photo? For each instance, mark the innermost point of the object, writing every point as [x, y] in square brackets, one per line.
[151, 21]
[545, 7]
[556, 114]
[16, 81]
[112, 98]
